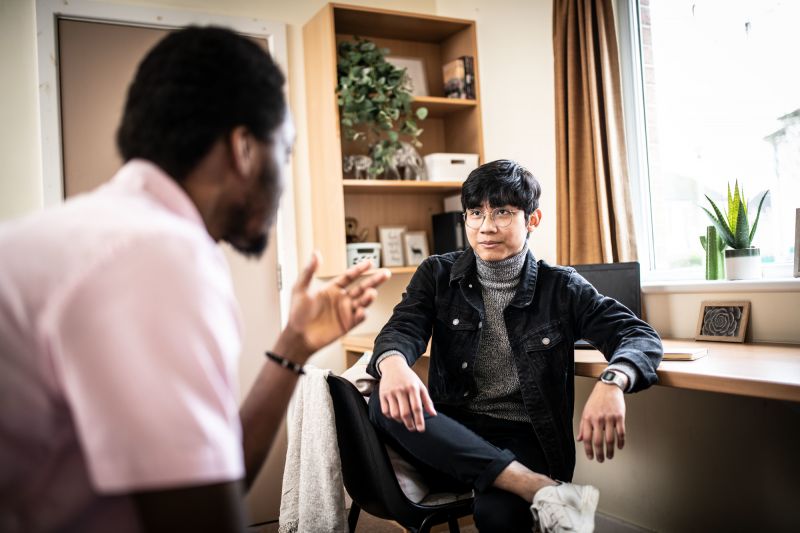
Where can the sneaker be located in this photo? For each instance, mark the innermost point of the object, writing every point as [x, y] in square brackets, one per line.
[565, 507]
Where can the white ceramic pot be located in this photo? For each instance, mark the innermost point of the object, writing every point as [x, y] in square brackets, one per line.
[744, 263]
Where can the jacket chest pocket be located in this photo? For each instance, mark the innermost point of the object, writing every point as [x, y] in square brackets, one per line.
[545, 348]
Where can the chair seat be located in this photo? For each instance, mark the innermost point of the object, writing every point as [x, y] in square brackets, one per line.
[368, 475]
[442, 498]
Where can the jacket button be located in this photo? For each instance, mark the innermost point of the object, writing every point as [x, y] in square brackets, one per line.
[466, 394]
[546, 341]
[470, 285]
[464, 364]
[455, 321]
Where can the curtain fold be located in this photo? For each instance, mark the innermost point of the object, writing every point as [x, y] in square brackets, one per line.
[595, 217]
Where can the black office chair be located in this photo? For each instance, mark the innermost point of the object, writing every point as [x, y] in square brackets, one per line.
[368, 474]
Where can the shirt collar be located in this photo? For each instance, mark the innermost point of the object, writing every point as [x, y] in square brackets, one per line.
[145, 176]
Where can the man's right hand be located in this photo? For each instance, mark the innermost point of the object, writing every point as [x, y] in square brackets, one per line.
[403, 395]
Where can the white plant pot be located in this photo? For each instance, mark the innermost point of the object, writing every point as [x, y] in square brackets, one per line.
[743, 264]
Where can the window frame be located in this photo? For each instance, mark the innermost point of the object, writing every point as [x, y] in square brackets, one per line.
[635, 123]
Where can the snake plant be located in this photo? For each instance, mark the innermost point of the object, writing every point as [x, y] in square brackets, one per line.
[734, 227]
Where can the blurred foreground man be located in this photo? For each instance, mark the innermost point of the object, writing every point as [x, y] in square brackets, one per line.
[119, 329]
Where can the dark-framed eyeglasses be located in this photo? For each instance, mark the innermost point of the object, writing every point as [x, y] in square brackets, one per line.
[501, 217]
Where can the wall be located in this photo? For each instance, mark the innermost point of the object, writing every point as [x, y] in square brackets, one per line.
[20, 180]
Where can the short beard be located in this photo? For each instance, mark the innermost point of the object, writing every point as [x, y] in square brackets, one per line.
[236, 234]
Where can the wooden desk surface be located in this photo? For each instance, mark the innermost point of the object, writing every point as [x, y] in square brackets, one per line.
[760, 370]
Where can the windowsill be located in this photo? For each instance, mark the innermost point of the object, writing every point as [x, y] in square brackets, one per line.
[704, 286]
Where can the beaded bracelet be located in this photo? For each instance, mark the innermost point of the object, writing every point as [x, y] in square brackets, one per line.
[285, 363]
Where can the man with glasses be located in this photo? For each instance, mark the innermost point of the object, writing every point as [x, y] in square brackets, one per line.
[497, 416]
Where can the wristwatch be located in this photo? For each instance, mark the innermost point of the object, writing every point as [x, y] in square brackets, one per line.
[613, 378]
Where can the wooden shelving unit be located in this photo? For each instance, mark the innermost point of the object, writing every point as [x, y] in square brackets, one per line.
[453, 125]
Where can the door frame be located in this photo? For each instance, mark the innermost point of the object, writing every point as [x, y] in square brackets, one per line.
[47, 14]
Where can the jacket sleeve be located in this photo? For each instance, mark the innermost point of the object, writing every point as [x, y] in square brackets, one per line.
[614, 330]
[409, 328]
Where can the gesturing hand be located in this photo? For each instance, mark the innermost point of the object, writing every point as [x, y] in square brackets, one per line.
[603, 422]
[322, 315]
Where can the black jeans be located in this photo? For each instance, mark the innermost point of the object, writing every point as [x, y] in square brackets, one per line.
[459, 451]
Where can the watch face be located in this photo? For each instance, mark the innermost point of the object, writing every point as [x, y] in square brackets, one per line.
[608, 375]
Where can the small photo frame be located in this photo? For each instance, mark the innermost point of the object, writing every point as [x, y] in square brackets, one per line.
[415, 244]
[391, 239]
[724, 321]
[797, 243]
[415, 69]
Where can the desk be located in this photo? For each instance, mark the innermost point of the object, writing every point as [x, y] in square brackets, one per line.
[760, 370]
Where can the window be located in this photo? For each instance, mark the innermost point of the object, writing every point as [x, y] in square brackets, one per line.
[712, 95]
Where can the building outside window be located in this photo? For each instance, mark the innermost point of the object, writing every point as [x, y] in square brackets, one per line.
[712, 95]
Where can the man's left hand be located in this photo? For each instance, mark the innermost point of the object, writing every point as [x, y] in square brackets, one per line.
[603, 422]
[319, 316]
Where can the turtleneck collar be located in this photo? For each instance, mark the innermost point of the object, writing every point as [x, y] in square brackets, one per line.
[507, 269]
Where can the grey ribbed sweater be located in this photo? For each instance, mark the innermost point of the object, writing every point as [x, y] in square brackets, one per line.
[495, 373]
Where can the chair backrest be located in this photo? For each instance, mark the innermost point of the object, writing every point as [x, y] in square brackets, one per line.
[366, 470]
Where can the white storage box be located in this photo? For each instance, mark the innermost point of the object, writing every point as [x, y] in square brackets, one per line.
[361, 251]
[450, 167]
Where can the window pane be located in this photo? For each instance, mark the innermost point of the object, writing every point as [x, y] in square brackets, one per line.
[721, 88]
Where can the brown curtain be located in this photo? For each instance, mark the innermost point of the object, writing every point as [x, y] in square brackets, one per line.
[595, 221]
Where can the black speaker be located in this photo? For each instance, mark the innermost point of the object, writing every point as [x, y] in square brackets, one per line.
[448, 232]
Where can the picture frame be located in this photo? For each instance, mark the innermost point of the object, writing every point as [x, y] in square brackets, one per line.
[797, 243]
[415, 68]
[391, 239]
[724, 321]
[415, 246]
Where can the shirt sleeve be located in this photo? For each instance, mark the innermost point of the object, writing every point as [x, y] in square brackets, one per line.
[630, 372]
[145, 348]
[385, 355]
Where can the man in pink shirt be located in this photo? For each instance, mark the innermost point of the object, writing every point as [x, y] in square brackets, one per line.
[119, 329]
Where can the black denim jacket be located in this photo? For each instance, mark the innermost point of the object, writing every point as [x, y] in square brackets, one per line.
[553, 307]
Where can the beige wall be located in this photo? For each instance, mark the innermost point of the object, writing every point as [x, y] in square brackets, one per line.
[693, 459]
[20, 177]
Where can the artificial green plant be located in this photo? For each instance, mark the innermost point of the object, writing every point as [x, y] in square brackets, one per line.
[374, 94]
[713, 246]
[734, 227]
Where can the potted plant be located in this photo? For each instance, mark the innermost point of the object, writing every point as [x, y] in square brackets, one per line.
[375, 103]
[742, 261]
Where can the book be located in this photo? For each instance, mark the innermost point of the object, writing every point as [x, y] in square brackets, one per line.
[454, 78]
[684, 353]
[459, 78]
[469, 76]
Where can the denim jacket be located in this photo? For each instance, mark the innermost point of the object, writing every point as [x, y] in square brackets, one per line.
[553, 307]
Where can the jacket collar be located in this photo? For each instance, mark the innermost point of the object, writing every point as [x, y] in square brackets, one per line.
[465, 268]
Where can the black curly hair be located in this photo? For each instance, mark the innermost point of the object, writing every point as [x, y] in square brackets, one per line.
[193, 88]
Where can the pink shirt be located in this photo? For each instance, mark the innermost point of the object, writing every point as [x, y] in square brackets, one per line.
[119, 339]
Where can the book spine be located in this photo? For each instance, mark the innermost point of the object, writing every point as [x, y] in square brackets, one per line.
[469, 76]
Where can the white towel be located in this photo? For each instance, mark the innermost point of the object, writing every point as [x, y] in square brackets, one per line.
[312, 494]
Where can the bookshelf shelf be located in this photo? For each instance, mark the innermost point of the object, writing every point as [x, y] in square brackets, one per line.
[439, 106]
[402, 187]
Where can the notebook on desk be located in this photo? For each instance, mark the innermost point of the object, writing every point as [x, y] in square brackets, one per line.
[684, 353]
[620, 281]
